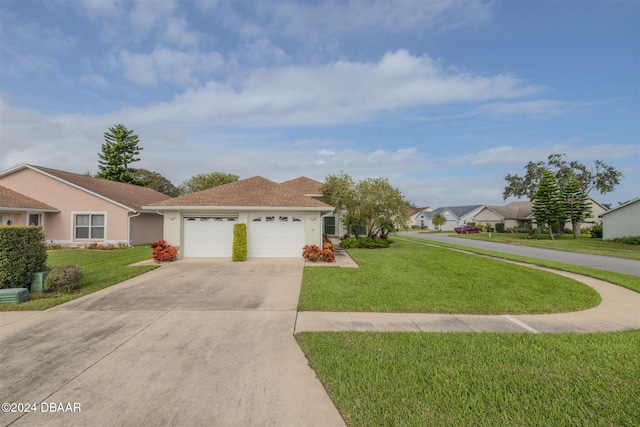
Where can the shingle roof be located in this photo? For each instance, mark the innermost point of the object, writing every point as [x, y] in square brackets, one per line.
[131, 196]
[303, 185]
[458, 211]
[413, 211]
[255, 191]
[514, 210]
[15, 200]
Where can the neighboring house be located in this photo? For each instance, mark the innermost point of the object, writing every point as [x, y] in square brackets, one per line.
[455, 216]
[280, 221]
[77, 209]
[597, 210]
[622, 221]
[514, 214]
[418, 216]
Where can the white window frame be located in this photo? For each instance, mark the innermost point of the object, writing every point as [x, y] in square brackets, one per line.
[88, 239]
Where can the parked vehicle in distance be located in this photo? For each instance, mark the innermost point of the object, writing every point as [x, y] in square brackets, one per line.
[467, 229]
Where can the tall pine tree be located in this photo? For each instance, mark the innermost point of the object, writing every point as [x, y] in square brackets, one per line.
[118, 152]
[576, 204]
[548, 206]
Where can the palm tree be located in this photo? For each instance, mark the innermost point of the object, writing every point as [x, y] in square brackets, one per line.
[439, 220]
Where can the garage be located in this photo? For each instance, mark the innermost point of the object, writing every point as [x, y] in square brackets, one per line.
[275, 235]
[208, 236]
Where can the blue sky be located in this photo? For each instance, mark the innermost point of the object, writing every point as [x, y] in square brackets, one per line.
[444, 98]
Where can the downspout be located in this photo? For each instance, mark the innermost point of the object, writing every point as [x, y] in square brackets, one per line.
[129, 227]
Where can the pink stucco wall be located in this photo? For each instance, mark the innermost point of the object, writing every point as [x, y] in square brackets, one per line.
[59, 226]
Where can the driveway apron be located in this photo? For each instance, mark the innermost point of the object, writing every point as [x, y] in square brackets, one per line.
[195, 342]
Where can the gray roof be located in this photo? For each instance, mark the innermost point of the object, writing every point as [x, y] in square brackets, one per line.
[458, 211]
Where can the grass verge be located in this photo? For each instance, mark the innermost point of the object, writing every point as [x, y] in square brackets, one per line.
[626, 280]
[412, 277]
[583, 244]
[479, 379]
[101, 269]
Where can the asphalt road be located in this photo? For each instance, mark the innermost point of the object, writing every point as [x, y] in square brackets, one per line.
[619, 265]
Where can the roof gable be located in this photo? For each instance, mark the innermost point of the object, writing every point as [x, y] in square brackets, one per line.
[255, 191]
[303, 185]
[10, 199]
[127, 195]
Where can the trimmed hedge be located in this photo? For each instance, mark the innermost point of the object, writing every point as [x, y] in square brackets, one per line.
[22, 253]
[365, 243]
[239, 242]
[500, 227]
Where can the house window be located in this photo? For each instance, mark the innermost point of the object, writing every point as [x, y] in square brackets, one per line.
[6, 219]
[34, 219]
[330, 225]
[89, 226]
[284, 218]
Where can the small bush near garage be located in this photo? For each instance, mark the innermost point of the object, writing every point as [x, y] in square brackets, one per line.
[64, 278]
[162, 251]
[500, 227]
[314, 253]
[365, 243]
[596, 231]
[239, 252]
[22, 253]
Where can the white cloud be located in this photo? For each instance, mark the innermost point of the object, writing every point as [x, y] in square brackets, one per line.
[340, 92]
[165, 65]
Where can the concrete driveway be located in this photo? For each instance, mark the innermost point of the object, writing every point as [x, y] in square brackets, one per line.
[196, 342]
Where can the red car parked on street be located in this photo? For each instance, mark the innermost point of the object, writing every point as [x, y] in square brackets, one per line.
[467, 229]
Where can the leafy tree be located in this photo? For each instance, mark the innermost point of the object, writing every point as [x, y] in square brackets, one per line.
[548, 207]
[439, 220]
[601, 177]
[576, 204]
[118, 152]
[372, 202]
[204, 181]
[156, 181]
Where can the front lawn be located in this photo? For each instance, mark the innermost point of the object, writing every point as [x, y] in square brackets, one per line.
[625, 280]
[479, 379]
[412, 277]
[583, 244]
[101, 269]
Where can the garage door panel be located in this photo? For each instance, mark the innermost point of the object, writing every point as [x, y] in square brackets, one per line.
[275, 236]
[206, 237]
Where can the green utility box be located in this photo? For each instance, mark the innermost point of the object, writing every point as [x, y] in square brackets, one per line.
[14, 295]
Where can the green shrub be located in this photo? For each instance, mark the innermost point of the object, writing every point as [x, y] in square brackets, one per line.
[627, 240]
[22, 253]
[364, 243]
[500, 227]
[596, 231]
[63, 278]
[239, 252]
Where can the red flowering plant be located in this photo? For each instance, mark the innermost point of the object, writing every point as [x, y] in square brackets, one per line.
[314, 253]
[162, 251]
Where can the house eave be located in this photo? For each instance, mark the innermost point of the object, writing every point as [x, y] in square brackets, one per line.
[238, 208]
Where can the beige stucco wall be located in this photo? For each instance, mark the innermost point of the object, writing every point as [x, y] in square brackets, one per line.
[622, 222]
[487, 216]
[59, 226]
[173, 222]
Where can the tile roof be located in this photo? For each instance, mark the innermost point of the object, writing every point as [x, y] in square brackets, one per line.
[255, 191]
[15, 200]
[303, 185]
[131, 196]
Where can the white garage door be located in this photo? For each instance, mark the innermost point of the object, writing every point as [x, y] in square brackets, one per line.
[275, 235]
[208, 237]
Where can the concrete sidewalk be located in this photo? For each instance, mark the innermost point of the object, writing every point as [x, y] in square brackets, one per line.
[619, 310]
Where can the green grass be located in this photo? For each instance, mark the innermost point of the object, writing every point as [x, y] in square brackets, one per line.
[413, 277]
[583, 244]
[101, 269]
[625, 280]
[481, 379]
